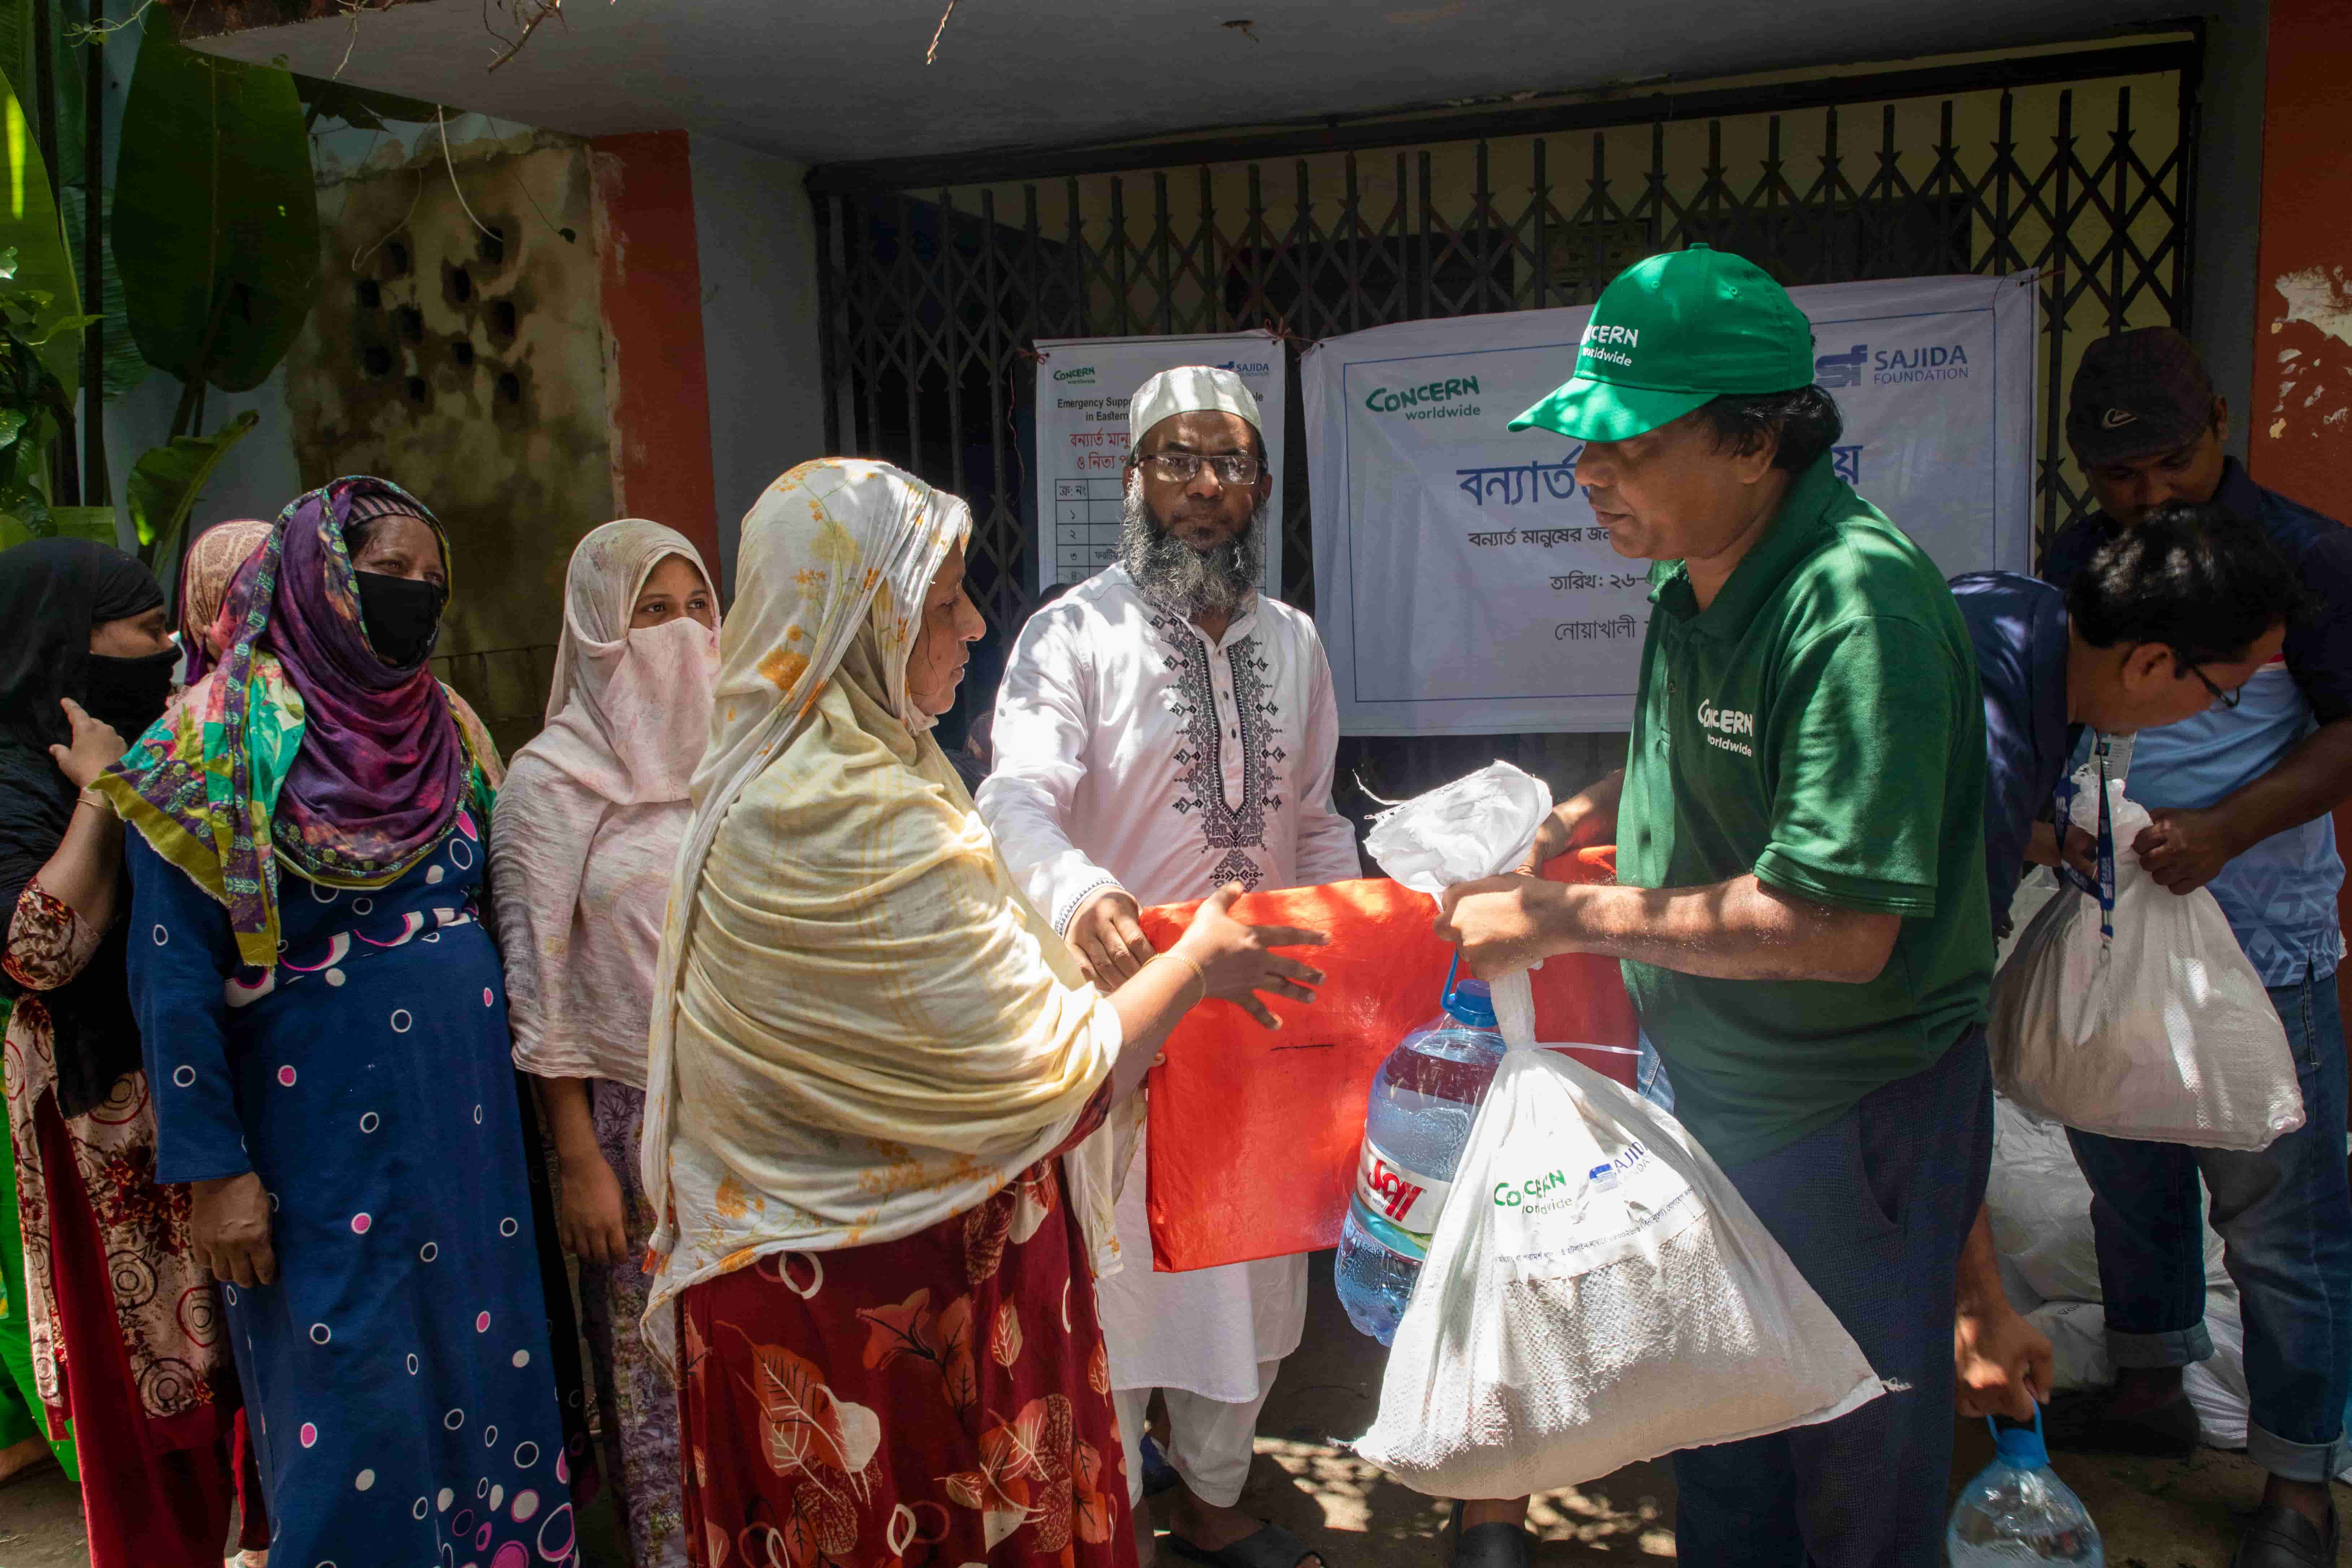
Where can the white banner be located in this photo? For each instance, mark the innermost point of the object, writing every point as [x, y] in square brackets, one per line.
[1083, 386]
[1462, 584]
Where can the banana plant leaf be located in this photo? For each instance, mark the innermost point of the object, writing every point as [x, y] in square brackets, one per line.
[83, 523]
[14, 532]
[165, 483]
[125, 366]
[28, 224]
[216, 228]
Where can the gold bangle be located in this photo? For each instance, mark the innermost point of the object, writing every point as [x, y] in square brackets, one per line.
[1197, 974]
[91, 796]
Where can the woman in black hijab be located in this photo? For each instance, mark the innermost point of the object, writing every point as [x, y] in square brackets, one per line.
[122, 1326]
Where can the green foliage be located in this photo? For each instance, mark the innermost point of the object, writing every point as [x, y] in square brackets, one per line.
[215, 212]
[34, 404]
[41, 265]
[165, 482]
[125, 366]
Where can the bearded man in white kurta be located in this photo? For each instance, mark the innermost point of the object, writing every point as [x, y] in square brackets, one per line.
[1162, 731]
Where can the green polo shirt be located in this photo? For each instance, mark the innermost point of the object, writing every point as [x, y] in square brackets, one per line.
[1820, 725]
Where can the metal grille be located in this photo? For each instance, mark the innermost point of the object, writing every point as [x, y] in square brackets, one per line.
[935, 279]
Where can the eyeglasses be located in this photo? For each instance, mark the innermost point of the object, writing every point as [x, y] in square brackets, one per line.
[1180, 468]
[2226, 699]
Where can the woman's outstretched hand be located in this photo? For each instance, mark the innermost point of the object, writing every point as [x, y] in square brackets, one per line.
[1237, 962]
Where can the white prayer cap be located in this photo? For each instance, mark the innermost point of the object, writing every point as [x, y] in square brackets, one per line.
[1189, 389]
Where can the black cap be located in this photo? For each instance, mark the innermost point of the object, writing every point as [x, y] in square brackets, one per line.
[2137, 393]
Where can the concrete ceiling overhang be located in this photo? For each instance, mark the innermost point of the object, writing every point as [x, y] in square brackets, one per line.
[844, 81]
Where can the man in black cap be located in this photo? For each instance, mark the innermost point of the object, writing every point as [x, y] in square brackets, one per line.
[2241, 796]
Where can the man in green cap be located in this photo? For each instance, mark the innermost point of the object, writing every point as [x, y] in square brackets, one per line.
[1800, 903]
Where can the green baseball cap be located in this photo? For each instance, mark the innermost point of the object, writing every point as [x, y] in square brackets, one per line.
[1670, 333]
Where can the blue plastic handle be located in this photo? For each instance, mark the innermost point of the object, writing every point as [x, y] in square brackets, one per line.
[1995, 1430]
[1447, 995]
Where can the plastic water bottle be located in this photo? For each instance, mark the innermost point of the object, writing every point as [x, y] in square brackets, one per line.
[2018, 1511]
[1424, 1100]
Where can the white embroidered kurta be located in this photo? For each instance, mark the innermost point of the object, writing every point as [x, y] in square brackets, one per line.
[1131, 751]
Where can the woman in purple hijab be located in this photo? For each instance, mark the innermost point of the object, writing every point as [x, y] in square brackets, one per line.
[325, 1031]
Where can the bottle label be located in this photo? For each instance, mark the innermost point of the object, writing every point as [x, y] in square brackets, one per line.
[1403, 1197]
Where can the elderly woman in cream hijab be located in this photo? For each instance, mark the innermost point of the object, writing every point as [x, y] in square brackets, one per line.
[874, 1075]
[582, 847]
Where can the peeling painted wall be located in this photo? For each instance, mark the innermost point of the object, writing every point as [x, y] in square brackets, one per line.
[2301, 413]
[468, 367]
[2313, 371]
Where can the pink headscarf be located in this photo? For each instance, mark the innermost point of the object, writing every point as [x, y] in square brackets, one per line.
[628, 712]
[628, 718]
[211, 563]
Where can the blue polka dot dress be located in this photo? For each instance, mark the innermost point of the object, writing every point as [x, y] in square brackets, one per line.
[397, 1377]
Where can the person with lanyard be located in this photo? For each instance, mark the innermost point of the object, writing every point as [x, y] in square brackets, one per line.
[2165, 621]
[113, 1321]
[588, 828]
[1165, 729]
[1800, 897]
[2241, 794]
[325, 1033]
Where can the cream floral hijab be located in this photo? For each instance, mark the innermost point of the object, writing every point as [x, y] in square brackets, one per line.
[860, 1026]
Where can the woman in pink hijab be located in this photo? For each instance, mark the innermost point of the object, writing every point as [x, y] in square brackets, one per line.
[582, 847]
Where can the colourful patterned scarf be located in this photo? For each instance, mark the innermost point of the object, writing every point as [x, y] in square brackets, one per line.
[302, 747]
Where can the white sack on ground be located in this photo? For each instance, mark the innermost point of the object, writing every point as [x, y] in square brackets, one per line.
[2167, 1034]
[2040, 1209]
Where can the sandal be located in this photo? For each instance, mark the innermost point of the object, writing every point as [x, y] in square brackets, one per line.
[1490, 1545]
[1271, 1547]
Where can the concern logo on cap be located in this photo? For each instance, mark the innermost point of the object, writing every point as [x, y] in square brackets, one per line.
[1671, 333]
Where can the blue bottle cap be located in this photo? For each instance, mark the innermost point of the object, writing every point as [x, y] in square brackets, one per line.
[2020, 1448]
[1467, 999]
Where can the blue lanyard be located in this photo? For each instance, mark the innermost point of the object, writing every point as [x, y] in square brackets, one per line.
[2103, 889]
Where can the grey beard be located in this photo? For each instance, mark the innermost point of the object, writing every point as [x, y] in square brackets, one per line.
[1170, 571]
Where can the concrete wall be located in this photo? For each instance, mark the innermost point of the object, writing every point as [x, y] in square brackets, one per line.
[757, 238]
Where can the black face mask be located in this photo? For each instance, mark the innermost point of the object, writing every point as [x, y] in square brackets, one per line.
[128, 693]
[400, 616]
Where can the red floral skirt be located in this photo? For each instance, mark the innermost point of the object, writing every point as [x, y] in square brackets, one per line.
[944, 1398]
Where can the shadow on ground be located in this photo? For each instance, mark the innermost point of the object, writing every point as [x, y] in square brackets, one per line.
[2153, 1514]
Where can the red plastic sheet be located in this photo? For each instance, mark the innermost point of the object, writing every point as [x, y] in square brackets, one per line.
[1255, 1135]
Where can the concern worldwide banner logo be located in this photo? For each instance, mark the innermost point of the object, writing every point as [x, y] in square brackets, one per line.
[1446, 399]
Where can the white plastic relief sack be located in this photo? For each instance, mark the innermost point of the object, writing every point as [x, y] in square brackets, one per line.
[1597, 1293]
[1476, 826]
[2164, 1034]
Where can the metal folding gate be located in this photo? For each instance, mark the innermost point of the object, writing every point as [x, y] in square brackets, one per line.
[937, 277]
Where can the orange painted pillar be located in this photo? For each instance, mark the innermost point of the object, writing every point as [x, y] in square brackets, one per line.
[2301, 421]
[657, 387]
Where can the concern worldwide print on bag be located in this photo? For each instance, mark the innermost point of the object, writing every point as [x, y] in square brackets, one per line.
[1461, 583]
[1083, 387]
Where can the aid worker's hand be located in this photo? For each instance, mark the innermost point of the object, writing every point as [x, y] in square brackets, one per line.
[2184, 849]
[2002, 1365]
[2081, 850]
[1108, 940]
[1500, 924]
